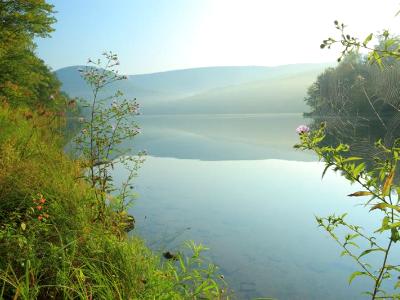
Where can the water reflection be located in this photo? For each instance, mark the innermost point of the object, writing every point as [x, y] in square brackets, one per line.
[360, 133]
[221, 137]
[250, 197]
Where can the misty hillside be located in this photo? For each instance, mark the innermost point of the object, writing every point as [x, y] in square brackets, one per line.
[210, 90]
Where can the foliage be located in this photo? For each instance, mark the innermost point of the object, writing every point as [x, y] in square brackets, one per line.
[384, 195]
[51, 243]
[359, 102]
[108, 125]
[388, 48]
[24, 78]
[27, 17]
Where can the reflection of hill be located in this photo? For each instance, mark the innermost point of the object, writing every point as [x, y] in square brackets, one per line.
[211, 90]
[222, 137]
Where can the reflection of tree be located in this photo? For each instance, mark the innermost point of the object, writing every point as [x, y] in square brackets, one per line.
[360, 104]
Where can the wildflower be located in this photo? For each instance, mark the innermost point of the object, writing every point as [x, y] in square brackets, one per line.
[39, 207]
[40, 217]
[42, 200]
[302, 129]
[46, 216]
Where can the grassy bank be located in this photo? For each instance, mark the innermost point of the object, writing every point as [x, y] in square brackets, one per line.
[52, 246]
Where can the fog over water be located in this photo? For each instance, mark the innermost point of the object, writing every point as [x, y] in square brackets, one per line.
[235, 184]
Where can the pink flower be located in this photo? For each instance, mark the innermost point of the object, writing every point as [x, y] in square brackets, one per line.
[302, 129]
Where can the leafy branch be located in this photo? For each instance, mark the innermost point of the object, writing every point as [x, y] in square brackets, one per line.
[109, 123]
[380, 185]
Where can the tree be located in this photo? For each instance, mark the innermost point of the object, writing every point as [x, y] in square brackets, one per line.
[24, 78]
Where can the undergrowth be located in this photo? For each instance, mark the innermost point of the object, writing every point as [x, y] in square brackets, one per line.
[53, 246]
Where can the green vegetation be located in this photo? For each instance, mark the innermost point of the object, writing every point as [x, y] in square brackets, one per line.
[24, 78]
[57, 248]
[359, 103]
[59, 237]
[379, 185]
[107, 126]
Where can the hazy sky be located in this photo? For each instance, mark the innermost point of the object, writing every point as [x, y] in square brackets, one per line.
[159, 35]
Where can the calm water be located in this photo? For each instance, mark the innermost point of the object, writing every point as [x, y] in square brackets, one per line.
[235, 184]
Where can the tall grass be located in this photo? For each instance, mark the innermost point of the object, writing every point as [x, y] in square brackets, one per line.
[52, 245]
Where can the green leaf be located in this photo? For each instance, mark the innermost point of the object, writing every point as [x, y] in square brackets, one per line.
[370, 250]
[360, 193]
[395, 225]
[377, 58]
[397, 285]
[395, 237]
[352, 158]
[353, 244]
[326, 169]
[356, 274]
[380, 206]
[385, 225]
[200, 287]
[383, 206]
[389, 43]
[368, 39]
[358, 169]
[23, 226]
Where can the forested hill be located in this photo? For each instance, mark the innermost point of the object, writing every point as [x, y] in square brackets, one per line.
[211, 90]
[359, 102]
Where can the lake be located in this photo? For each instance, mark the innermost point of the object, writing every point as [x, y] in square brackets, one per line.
[235, 184]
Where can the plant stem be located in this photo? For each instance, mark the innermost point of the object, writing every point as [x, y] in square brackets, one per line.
[378, 280]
